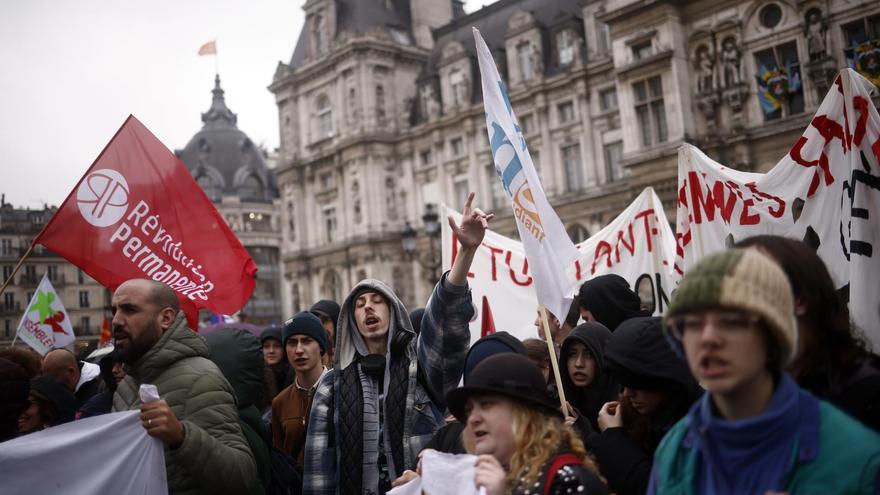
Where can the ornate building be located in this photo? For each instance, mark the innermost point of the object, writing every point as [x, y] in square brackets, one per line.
[232, 171]
[84, 299]
[381, 114]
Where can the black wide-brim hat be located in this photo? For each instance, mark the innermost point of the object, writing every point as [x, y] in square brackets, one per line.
[508, 374]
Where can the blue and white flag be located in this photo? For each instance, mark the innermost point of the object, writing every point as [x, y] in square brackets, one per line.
[550, 253]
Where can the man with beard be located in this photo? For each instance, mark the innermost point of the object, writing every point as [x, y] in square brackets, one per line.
[197, 418]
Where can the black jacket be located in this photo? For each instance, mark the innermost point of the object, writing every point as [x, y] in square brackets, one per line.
[639, 355]
[588, 400]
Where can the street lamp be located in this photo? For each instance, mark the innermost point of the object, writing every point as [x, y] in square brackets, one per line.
[409, 236]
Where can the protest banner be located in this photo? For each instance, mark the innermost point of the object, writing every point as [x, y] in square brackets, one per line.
[138, 213]
[636, 245]
[824, 191]
[45, 324]
[110, 453]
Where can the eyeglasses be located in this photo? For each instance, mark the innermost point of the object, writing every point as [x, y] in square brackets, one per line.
[725, 322]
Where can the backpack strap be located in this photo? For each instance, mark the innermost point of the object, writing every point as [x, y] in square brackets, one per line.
[560, 461]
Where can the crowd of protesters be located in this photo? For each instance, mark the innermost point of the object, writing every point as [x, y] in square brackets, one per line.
[753, 381]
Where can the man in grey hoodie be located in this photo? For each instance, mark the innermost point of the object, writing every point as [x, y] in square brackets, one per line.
[380, 406]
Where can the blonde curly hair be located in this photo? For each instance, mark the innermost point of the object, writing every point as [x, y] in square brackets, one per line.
[538, 438]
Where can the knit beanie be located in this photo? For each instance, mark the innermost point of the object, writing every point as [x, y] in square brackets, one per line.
[272, 332]
[495, 343]
[744, 279]
[329, 308]
[305, 323]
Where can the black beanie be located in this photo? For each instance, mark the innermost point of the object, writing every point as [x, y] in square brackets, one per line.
[610, 300]
[329, 308]
[272, 332]
[305, 323]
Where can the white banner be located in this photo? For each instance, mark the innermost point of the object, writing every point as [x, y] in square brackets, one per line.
[111, 453]
[546, 244]
[635, 245]
[826, 191]
[45, 324]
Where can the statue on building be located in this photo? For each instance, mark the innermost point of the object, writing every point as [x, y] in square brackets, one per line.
[814, 30]
[705, 66]
[429, 106]
[730, 63]
[391, 198]
[536, 60]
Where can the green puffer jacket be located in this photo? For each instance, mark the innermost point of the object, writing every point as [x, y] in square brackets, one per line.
[214, 456]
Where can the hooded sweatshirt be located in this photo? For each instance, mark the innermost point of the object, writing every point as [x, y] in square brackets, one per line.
[356, 420]
[638, 355]
[590, 399]
[610, 300]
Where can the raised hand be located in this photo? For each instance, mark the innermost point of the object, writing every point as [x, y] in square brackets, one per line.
[474, 223]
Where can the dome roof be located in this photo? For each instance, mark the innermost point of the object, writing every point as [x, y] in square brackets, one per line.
[223, 159]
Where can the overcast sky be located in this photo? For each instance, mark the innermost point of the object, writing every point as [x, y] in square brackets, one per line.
[73, 70]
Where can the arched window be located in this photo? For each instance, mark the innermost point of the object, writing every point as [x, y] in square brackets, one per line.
[324, 113]
[207, 184]
[332, 287]
[578, 233]
[251, 188]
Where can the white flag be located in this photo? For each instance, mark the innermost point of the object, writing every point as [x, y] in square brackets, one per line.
[549, 250]
[45, 324]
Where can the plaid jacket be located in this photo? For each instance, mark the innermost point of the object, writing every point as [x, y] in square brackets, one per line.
[440, 353]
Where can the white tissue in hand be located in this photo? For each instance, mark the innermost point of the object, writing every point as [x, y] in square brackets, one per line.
[148, 393]
[448, 474]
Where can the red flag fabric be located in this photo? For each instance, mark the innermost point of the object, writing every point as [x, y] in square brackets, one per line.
[106, 335]
[209, 48]
[487, 324]
[138, 213]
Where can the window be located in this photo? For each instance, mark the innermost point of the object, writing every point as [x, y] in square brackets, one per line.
[456, 146]
[80, 279]
[571, 163]
[425, 157]
[565, 42]
[566, 112]
[779, 81]
[578, 233]
[460, 190]
[30, 274]
[536, 159]
[855, 35]
[6, 247]
[458, 83]
[641, 50]
[380, 104]
[9, 300]
[608, 99]
[524, 57]
[7, 327]
[325, 117]
[257, 222]
[603, 35]
[52, 270]
[7, 272]
[527, 124]
[330, 224]
[770, 16]
[650, 111]
[85, 324]
[613, 155]
[327, 181]
[333, 285]
[84, 299]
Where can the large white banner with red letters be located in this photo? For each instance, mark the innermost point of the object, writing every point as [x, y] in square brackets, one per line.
[825, 190]
[636, 245]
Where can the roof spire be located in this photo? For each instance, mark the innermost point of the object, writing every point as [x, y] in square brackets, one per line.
[219, 113]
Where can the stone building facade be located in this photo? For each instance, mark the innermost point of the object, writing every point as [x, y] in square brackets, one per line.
[381, 113]
[232, 171]
[86, 301]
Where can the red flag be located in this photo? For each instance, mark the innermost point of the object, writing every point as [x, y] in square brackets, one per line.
[138, 213]
[106, 335]
[209, 48]
[487, 323]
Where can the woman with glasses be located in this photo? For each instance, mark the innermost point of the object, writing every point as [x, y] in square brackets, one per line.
[754, 431]
[656, 390]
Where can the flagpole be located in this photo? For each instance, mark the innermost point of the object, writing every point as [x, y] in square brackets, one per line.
[216, 59]
[15, 270]
[553, 362]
